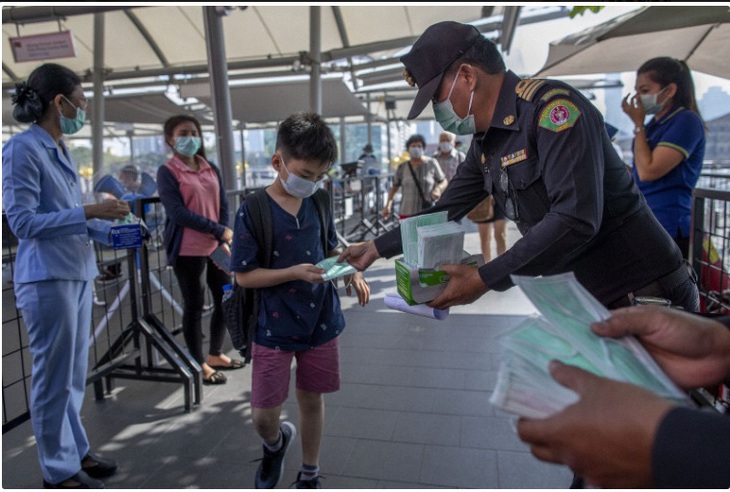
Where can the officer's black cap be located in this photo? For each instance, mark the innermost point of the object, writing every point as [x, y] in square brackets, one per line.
[438, 47]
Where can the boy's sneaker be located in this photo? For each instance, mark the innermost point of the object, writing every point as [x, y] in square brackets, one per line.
[306, 484]
[272, 464]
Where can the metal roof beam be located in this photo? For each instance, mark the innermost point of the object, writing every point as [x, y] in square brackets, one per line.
[30, 15]
[148, 37]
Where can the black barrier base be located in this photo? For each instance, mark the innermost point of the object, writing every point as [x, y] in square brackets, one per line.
[183, 368]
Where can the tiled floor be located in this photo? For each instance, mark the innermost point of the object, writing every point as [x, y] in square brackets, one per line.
[413, 412]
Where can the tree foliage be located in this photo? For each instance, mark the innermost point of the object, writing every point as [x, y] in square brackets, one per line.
[582, 10]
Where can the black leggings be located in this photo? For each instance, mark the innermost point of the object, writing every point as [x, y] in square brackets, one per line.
[189, 273]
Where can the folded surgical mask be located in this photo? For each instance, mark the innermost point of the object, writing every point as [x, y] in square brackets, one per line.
[562, 332]
[335, 270]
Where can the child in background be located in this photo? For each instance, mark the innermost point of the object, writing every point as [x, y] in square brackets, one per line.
[299, 314]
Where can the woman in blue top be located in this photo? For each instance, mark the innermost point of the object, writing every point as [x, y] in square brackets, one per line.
[55, 267]
[669, 150]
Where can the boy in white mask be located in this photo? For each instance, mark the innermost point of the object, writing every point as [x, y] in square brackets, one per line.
[299, 314]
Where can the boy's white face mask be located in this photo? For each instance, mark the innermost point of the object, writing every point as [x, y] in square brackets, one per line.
[296, 186]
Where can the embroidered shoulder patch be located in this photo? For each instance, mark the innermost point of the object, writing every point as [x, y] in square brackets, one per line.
[559, 115]
[554, 92]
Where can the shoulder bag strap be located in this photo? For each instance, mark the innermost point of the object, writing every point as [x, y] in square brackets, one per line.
[418, 183]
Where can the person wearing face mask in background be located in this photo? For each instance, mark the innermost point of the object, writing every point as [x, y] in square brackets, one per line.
[191, 190]
[55, 268]
[421, 178]
[669, 150]
[542, 150]
[447, 156]
[299, 314]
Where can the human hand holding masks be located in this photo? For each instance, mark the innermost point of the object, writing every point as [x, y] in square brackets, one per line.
[562, 332]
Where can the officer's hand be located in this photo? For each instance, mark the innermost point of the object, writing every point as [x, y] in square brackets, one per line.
[465, 286]
[360, 255]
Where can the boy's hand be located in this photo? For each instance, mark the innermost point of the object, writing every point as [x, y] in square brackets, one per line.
[362, 288]
[308, 273]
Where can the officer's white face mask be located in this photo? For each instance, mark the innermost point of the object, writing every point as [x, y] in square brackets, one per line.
[452, 122]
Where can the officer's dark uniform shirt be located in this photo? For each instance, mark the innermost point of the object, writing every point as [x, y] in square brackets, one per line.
[578, 209]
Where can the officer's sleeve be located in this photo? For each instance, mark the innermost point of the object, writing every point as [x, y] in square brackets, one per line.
[568, 133]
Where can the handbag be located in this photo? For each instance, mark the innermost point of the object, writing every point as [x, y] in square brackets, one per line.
[424, 203]
[483, 211]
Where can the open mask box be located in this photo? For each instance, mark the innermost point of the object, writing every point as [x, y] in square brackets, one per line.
[420, 285]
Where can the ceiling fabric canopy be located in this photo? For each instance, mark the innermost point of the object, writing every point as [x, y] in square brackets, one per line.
[141, 49]
[171, 39]
[275, 101]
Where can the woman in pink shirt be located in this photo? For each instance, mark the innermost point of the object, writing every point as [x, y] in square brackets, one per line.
[196, 208]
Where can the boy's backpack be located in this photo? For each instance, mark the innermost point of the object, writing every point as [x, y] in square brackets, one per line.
[240, 309]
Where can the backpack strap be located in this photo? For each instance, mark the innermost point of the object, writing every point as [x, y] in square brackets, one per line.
[324, 208]
[258, 206]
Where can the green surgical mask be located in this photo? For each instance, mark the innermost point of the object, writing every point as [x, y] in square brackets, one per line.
[562, 332]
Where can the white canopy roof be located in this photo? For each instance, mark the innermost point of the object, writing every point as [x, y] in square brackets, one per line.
[166, 45]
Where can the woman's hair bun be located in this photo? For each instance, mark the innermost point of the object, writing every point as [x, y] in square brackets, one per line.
[28, 106]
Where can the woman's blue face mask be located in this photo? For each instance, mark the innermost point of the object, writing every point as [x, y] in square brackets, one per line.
[187, 146]
[69, 126]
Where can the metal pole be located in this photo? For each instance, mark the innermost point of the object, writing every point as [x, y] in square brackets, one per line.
[220, 94]
[315, 47]
[243, 159]
[343, 140]
[97, 128]
[130, 134]
[369, 119]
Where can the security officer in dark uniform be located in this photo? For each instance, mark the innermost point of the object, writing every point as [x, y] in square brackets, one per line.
[542, 150]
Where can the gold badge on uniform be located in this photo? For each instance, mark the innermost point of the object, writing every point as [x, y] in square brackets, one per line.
[484, 159]
[508, 120]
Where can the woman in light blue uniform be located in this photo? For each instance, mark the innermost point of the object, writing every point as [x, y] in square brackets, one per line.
[54, 269]
[669, 150]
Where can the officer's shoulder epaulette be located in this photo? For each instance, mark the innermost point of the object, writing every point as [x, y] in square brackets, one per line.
[526, 88]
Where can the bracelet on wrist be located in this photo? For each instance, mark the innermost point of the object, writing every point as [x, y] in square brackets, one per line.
[638, 129]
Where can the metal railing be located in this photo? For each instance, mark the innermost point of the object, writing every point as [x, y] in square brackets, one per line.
[137, 310]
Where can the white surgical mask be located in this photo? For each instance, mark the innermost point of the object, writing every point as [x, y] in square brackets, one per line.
[445, 147]
[650, 104]
[296, 186]
[415, 152]
[449, 120]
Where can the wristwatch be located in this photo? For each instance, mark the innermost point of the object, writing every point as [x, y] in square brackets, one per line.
[638, 130]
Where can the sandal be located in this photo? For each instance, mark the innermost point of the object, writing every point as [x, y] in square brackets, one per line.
[215, 378]
[235, 364]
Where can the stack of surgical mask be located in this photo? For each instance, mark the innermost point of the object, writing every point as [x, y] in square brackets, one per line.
[430, 240]
[440, 244]
[562, 331]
